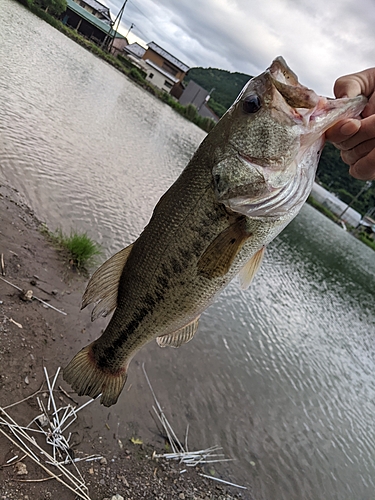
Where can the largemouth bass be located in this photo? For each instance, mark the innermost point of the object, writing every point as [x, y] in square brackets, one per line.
[248, 179]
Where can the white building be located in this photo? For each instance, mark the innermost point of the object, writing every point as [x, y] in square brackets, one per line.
[333, 203]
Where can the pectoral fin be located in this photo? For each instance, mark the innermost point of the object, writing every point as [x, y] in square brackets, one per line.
[250, 269]
[182, 336]
[220, 254]
[103, 285]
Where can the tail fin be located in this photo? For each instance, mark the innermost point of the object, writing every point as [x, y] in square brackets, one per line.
[87, 378]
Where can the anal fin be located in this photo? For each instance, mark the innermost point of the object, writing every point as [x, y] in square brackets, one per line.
[250, 269]
[182, 336]
[103, 286]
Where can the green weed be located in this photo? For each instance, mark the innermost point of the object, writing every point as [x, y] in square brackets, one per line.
[81, 250]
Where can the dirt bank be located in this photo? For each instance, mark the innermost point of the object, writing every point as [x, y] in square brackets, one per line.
[33, 336]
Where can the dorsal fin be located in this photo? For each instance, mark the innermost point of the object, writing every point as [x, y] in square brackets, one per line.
[182, 336]
[250, 269]
[103, 286]
[218, 257]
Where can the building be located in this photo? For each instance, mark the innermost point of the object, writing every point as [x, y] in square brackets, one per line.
[368, 223]
[335, 205]
[135, 51]
[92, 19]
[199, 97]
[162, 68]
[97, 9]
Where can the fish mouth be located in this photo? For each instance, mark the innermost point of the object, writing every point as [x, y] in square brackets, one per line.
[286, 82]
[256, 164]
[266, 173]
[305, 106]
[273, 175]
[275, 202]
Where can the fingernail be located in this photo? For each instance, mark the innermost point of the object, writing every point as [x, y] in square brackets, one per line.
[351, 127]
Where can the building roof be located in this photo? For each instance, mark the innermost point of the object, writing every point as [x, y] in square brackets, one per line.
[168, 57]
[336, 206]
[103, 9]
[161, 71]
[135, 50]
[103, 26]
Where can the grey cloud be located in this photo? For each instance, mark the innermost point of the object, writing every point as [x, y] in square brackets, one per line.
[319, 40]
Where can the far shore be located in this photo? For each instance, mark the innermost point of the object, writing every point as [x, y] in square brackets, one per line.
[124, 66]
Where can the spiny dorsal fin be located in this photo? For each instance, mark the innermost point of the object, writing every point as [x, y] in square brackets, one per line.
[250, 269]
[182, 336]
[218, 257]
[103, 286]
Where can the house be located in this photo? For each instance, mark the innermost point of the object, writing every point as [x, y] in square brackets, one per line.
[335, 205]
[162, 68]
[92, 19]
[199, 97]
[134, 50]
[367, 223]
[97, 9]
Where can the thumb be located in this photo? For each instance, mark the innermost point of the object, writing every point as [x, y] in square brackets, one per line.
[362, 82]
[347, 86]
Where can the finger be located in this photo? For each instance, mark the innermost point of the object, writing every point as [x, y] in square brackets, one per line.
[364, 169]
[342, 131]
[366, 132]
[353, 155]
[352, 85]
[370, 107]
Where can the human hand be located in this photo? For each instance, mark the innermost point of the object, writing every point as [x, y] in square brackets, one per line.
[356, 138]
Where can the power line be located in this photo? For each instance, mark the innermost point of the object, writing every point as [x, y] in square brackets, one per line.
[143, 14]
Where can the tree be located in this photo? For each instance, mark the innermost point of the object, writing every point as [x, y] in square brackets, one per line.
[333, 174]
[53, 7]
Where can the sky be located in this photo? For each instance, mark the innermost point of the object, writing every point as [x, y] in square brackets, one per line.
[319, 39]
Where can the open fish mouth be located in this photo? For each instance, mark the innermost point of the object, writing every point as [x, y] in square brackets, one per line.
[307, 107]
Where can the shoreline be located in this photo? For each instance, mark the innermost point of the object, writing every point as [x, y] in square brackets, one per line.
[129, 70]
[33, 336]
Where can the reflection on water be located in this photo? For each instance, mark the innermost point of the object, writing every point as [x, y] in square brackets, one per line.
[280, 375]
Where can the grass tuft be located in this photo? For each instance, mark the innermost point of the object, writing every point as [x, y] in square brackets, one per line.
[81, 249]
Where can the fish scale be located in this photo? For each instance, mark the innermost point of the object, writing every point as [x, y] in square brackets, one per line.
[246, 182]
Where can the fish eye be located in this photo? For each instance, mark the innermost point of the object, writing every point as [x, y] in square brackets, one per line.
[251, 104]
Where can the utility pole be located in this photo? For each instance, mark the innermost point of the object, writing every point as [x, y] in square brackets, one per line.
[365, 187]
[117, 20]
[131, 27]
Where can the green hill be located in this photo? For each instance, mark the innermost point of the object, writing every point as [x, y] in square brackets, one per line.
[226, 85]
